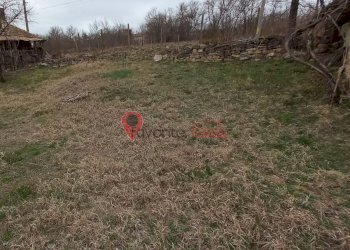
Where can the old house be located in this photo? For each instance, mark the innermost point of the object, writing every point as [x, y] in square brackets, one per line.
[18, 47]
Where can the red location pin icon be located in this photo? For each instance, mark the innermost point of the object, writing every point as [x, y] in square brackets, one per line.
[132, 123]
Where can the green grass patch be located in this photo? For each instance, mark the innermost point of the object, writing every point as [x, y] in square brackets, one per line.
[307, 140]
[8, 117]
[32, 150]
[282, 143]
[176, 230]
[206, 141]
[272, 193]
[21, 193]
[32, 78]
[113, 237]
[41, 113]
[265, 76]
[331, 156]
[5, 178]
[126, 93]
[346, 222]
[111, 93]
[119, 74]
[328, 224]
[199, 174]
[7, 236]
[2, 216]
[152, 225]
[206, 87]
[111, 220]
[286, 118]
[28, 152]
[298, 177]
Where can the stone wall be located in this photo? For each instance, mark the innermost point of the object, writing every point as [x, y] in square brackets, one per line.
[252, 49]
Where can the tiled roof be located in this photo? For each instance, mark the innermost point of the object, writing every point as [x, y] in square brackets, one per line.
[12, 33]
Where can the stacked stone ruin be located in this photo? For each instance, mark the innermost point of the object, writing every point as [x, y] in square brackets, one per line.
[248, 49]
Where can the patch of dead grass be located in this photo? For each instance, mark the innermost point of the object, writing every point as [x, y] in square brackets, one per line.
[259, 189]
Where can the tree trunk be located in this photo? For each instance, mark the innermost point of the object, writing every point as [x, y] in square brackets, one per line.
[293, 14]
[319, 5]
[322, 4]
[260, 19]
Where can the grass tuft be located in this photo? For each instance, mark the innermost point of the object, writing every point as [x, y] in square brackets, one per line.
[2, 216]
[21, 193]
[306, 140]
[7, 236]
[176, 229]
[200, 174]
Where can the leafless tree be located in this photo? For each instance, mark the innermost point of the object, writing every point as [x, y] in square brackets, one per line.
[329, 20]
[102, 34]
[73, 35]
[13, 12]
[223, 20]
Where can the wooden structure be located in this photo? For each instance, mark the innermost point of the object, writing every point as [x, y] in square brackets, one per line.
[18, 47]
[138, 39]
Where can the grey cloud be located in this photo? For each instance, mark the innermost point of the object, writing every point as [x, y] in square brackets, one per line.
[80, 13]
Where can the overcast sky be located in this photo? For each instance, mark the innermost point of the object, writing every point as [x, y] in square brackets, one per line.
[80, 13]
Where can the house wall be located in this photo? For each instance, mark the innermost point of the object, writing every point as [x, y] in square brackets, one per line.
[20, 45]
[18, 54]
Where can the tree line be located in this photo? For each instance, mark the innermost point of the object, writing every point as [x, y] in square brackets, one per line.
[101, 34]
[208, 21]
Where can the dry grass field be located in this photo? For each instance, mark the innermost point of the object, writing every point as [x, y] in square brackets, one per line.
[71, 179]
